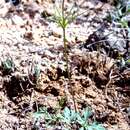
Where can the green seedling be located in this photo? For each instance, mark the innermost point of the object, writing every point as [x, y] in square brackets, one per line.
[34, 74]
[8, 65]
[50, 119]
[68, 118]
[63, 20]
[62, 102]
[36, 71]
[82, 120]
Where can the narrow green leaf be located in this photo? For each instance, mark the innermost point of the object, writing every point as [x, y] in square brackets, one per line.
[128, 61]
[124, 23]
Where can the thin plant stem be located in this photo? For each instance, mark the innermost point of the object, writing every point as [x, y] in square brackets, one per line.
[65, 53]
[64, 40]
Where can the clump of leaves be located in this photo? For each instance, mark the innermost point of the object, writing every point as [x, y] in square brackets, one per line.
[49, 119]
[69, 118]
[83, 121]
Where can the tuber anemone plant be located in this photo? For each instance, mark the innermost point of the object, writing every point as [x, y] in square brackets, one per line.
[63, 19]
[68, 119]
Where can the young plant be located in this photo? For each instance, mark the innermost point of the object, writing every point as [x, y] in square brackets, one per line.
[63, 20]
[82, 120]
[34, 72]
[62, 102]
[49, 119]
[68, 118]
[8, 65]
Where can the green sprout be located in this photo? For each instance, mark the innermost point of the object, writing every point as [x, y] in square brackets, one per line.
[36, 71]
[68, 118]
[8, 65]
[63, 20]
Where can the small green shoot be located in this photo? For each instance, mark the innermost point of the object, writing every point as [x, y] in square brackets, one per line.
[63, 20]
[62, 102]
[36, 71]
[68, 118]
[8, 65]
